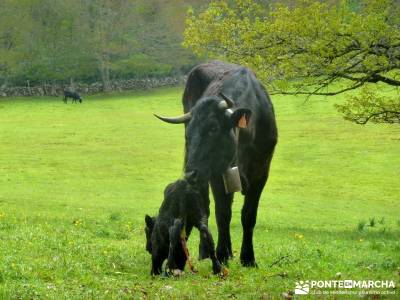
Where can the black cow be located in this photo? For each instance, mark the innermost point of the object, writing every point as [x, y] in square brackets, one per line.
[217, 96]
[182, 209]
[73, 95]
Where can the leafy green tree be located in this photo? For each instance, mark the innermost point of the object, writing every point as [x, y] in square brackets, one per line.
[47, 41]
[43, 41]
[11, 38]
[56, 49]
[310, 47]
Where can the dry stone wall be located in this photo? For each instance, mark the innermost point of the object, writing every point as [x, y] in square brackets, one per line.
[93, 88]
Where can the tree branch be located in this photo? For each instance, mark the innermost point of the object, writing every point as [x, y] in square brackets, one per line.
[384, 115]
[377, 77]
[319, 93]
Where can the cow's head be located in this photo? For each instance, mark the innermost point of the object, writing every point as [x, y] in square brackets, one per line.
[210, 140]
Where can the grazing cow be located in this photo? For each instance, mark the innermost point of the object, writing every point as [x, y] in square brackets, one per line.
[218, 97]
[182, 209]
[73, 95]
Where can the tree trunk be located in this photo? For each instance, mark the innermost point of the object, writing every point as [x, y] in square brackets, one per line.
[71, 84]
[105, 76]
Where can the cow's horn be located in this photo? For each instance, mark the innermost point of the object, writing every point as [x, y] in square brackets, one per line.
[230, 103]
[176, 120]
[222, 105]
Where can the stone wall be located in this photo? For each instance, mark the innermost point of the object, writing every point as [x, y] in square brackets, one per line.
[92, 88]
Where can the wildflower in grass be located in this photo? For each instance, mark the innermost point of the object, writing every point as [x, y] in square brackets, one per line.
[129, 226]
[298, 236]
[2, 214]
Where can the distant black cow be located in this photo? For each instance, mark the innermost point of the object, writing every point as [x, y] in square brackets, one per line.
[73, 95]
[182, 209]
[229, 120]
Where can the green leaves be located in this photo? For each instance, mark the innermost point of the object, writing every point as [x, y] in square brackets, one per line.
[370, 105]
[55, 40]
[314, 44]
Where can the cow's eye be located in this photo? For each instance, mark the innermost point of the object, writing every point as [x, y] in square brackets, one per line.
[213, 130]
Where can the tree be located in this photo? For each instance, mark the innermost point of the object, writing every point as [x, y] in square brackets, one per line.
[42, 41]
[11, 38]
[55, 47]
[310, 47]
[54, 41]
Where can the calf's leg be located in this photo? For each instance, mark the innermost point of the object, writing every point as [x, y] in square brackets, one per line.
[174, 245]
[157, 258]
[208, 241]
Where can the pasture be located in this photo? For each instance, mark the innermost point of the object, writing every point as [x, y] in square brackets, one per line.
[76, 181]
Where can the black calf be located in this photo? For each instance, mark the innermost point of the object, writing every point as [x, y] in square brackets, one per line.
[73, 95]
[182, 209]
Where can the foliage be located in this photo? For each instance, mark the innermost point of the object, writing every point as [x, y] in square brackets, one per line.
[54, 40]
[369, 105]
[140, 65]
[77, 180]
[307, 46]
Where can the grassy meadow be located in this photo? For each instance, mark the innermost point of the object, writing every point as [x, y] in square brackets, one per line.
[76, 181]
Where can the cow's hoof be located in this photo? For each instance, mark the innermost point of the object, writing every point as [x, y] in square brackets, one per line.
[203, 255]
[224, 255]
[222, 273]
[249, 263]
[223, 258]
[167, 274]
[178, 273]
[217, 268]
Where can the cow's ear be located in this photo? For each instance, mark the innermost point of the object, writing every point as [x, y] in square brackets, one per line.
[240, 117]
[149, 221]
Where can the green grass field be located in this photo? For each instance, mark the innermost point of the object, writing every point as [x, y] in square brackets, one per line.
[76, 181]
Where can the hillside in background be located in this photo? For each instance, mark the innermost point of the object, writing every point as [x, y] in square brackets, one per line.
[53, 41]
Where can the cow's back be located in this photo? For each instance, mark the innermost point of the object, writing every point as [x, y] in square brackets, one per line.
[200, 78]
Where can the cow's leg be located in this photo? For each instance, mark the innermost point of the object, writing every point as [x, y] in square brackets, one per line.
[223, 214]
[257, 176]
[208, 241]
[203, 249]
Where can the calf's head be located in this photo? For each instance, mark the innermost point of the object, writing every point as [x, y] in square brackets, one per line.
[210, 140]
[149, 231]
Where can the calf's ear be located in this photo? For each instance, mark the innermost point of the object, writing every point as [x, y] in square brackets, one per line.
[240, 117]
[149, 221]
